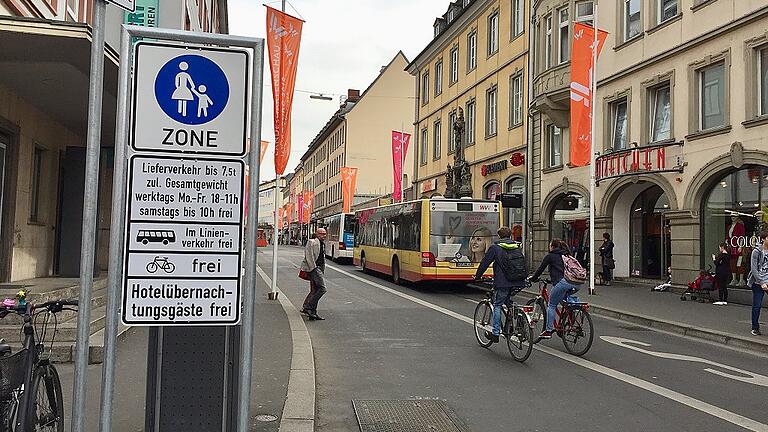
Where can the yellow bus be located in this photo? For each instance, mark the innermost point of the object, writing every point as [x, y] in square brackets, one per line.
[427, 239]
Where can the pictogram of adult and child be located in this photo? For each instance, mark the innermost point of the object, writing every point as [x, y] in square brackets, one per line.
[187, 91]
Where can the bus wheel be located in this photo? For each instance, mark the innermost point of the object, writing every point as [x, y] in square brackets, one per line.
[396, 271]
[363, 263]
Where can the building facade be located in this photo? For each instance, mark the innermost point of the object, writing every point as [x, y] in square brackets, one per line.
[44, 59]
[681, 124]
[359, 135]
[477, 64]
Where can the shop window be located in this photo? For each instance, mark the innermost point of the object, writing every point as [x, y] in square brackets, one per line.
[492, 191]
[470, 122]
[563, 39]
[438, 77]
[493, 34]
[631, 23]
[518, 17]
[734, 211]
[516, 216]
[471, 51]
[554, 146]
[660, 113]
[569, 222]
[585, 12]
[619, 124]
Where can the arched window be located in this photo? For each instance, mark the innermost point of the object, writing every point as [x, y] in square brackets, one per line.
[492, 191]
[515, 217]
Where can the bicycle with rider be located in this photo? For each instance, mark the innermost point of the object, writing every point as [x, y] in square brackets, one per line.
[509, 273]
[560, 286]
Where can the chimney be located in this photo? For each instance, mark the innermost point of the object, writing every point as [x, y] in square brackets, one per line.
[353, 95]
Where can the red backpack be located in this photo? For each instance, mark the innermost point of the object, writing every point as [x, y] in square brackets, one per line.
[573, 271]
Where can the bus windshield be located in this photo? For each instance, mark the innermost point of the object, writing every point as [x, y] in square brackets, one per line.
[462, 236]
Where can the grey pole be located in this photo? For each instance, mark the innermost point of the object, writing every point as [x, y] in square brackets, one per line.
[90, 204]
[116, 236]
[249, 284]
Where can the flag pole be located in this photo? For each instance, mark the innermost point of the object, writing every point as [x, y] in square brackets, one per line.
[593, 100]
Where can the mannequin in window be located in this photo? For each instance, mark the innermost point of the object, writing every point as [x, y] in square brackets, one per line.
[736, 229]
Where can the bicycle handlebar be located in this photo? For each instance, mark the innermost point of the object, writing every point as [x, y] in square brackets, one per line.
[53, 306]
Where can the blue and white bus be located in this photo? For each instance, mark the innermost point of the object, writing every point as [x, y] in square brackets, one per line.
[341, 236]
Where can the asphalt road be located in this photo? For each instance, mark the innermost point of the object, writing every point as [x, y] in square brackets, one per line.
[383, 341]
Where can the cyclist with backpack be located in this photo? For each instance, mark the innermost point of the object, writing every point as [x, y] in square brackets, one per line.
[509, 273]
[566, 275]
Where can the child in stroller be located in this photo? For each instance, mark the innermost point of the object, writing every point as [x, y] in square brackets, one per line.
[701, 288]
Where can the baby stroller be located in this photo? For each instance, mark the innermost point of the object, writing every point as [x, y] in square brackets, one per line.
[701, 287]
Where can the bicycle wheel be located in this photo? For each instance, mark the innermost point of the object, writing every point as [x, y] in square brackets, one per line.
[8, 411]
[47, 413]
[483, 323]
[577, 331]
[538, 317]
[152, 267]
[169, 268]
[519, 337]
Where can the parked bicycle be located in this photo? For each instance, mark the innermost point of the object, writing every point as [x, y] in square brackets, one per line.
[30, 389]
[516, 326]
[572, 323]
[161, 263]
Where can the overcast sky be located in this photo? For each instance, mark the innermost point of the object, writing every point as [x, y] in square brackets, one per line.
[344, 44]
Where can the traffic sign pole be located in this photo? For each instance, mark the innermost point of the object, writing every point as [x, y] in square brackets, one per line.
[90, 204]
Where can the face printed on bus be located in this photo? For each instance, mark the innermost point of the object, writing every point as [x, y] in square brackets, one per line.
[479, 243]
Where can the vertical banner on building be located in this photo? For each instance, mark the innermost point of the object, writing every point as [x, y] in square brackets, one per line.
[300, 207]
[264, 145]
[348, 181]
[283, 40]
[309, 196]
[280, 215]
[581, 91]
[400, 142]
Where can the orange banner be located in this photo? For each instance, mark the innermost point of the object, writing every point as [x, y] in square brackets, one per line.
[264, 145]
[581, 91]
[280, 215]
[283, 40]
[348, 180]
[309, 196]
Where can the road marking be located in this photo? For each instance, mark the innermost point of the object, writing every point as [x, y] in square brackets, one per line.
[731, 417]
[746, 376]
[472, 301]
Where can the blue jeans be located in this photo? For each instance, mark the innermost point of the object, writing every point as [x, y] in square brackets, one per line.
[556, 295]
[500, 297]
[757, 303]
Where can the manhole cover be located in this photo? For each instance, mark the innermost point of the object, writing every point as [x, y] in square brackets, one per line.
[266, 418]
[406, 416]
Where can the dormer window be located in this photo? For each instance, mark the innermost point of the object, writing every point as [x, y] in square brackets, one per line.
[437, 29]
[466, 3]
[451, 14]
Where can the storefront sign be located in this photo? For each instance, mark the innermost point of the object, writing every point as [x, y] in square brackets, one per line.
[494, 167]
[639, 160]
[144, 15]
[517, 159]
[428, 185]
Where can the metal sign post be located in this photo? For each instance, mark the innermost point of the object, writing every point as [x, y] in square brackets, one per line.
[179, 258]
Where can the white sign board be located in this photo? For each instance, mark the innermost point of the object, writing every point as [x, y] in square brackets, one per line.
[190, 99]
[129, 5]
[183, 241]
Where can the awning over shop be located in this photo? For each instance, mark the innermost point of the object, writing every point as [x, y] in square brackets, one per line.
[47, 63]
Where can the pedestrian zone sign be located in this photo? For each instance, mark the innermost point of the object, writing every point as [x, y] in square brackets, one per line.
[190, 99]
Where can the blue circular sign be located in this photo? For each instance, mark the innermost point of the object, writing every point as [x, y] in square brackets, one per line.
[191, 89]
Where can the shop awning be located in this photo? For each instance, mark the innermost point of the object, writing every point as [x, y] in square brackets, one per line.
[47, 64]
[571, 215]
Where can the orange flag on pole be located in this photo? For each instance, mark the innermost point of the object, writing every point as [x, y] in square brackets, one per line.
[348, 180]
[309, 196]
[582, 91]
[264, 145]
[283, 40]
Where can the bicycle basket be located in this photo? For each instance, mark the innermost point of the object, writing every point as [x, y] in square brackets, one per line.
[12, 373]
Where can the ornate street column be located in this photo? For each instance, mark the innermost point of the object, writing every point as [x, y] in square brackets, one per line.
[458, 179]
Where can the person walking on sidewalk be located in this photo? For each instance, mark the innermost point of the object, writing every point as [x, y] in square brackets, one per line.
[758, 279]
[509, 273]
[560, 286]
[606, 253]
[722, 274]
[314, 265]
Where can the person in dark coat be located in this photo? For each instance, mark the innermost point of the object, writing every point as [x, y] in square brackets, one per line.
[722, 273]
[507, 258]
[606, 253]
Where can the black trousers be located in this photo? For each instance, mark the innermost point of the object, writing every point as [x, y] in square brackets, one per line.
[722, 288]
[316, 290]
[607, 273]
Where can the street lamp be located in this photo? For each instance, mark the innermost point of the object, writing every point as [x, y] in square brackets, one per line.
[320, 96]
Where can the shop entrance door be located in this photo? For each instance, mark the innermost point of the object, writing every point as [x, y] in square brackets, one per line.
[649, 231]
